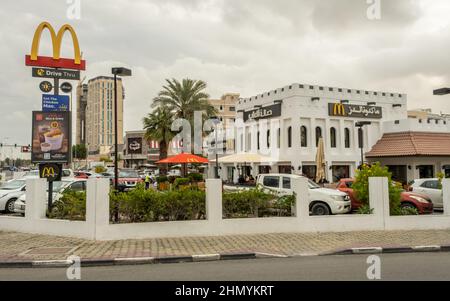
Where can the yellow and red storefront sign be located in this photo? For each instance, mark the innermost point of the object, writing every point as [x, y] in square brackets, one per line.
[56, 61]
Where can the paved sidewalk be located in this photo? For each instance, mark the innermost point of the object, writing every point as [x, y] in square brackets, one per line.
[25, 247]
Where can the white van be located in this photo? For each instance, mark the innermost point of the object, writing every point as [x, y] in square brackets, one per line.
[323, 201]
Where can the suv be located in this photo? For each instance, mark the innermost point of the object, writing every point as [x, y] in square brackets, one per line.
[128, 179]
[323, 201]
[420, 202]
[431, 188]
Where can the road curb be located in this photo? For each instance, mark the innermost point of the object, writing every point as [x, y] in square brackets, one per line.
[215, 257]
[389, 250]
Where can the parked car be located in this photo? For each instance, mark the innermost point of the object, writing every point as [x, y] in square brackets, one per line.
[431, 188]
[9, 193]
[323, 201]
[59, 188]
[128, 179]
[82, 174]
[420, 202]
[67, 173]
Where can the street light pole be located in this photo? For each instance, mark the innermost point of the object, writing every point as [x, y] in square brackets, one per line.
[360, 125]
[122, 72]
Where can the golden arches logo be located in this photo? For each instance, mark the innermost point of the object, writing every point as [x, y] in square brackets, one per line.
[339, 109]
[48, 172]
[56, 41]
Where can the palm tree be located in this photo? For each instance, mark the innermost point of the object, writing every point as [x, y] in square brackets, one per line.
[184, 98]
[157, 125]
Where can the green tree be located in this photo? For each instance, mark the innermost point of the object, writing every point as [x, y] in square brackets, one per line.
[79, 151]
[157, 125]
[184, 98]
[361, 185]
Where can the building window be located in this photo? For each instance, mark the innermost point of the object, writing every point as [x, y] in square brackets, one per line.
[303, 136]
[318, 135]
[347, 137]
[289, 132]
[278, 138]
[232, 109]
[268, 138]
[333, 137]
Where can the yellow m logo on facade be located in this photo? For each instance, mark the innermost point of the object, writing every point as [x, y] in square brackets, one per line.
[48, 172]
[56, 41]
[339, 109]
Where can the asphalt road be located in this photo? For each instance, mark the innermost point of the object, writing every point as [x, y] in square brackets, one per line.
[406, 266]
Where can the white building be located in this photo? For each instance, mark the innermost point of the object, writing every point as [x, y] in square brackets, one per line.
[414, 148]
[286, 124]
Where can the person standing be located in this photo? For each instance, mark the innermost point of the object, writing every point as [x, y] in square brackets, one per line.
[147, 181]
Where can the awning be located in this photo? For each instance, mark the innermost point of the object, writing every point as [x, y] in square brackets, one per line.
[183, 158]
[250, 158]
[411, 144]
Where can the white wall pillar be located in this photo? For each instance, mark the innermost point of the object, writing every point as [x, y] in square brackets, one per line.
[379, 196]
[36, 198]
[97, 204]
[446, 195]
[300, 187]
[214, 199]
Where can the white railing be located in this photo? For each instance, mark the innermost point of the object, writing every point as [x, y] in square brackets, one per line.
[97, 224]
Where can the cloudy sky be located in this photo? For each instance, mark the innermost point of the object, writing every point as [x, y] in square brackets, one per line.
[244, 46]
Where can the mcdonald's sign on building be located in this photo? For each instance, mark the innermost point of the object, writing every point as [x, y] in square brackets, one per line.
[56, 61]
[354, 111]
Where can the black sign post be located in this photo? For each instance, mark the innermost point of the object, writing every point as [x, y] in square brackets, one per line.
[52, 172]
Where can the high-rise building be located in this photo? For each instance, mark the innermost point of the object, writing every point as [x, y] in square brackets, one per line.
[100, 134]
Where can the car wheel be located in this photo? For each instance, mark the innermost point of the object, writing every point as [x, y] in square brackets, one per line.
[320, 209]
[9, 207]
[408, 206]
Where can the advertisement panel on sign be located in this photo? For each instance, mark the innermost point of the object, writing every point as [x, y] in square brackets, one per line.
[354, 111]
[135, 145]
[51, 103]
[51, 137]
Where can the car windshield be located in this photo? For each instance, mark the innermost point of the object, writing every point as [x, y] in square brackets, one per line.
[59, 185]
[13, 185]
[128, 174]
[312, 185]
[34, 173]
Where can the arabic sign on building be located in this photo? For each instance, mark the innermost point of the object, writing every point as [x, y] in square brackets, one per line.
[135, 145]
[263, 113]
[354, 111]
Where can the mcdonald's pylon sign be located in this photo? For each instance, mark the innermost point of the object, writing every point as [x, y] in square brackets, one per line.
[56, 61]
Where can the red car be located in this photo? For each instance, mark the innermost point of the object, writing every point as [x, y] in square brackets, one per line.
[420, 202]
[128, 179]
[81, 174]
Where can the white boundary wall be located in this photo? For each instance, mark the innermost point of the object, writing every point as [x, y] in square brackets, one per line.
[97, 226]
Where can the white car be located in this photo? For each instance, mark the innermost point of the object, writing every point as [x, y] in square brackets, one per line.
[59, 188]
[430, 188]
[323, 201]
[9, 193]
[67, 173]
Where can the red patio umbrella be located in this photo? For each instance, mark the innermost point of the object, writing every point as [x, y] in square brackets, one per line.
[183, 158]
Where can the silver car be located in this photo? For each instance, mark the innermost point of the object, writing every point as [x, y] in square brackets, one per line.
[58, 189]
